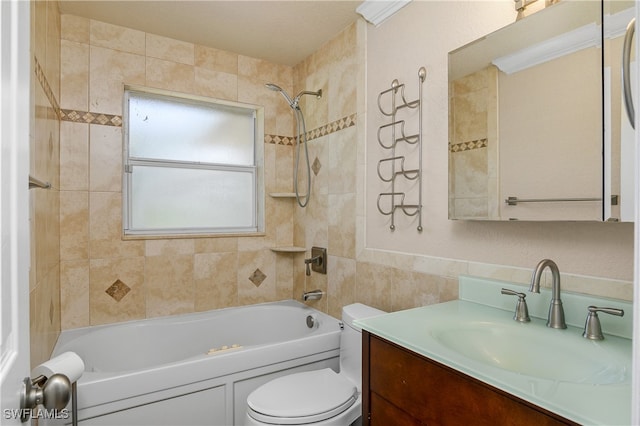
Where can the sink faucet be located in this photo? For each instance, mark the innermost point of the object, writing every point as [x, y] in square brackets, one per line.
[556, 312]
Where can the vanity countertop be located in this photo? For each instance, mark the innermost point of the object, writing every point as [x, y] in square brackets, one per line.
[445, 333]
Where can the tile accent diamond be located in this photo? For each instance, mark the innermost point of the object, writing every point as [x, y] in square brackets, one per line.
[52, 310]
[316, 166]
[118, 290]
[257, 277]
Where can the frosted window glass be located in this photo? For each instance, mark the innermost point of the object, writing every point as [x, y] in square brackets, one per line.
[182, 130]
[184, 198]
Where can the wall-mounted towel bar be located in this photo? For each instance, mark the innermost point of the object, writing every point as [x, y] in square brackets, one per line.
[392, 167]
[513, 201]
[37, 183]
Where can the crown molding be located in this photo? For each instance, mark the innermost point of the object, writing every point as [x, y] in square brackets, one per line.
[377, 11]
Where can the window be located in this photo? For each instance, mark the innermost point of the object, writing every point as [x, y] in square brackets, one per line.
[192, 166]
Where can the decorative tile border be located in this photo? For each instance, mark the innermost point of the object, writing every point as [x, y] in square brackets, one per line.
[468, 146]
[341, 124]
[279, 140]
[87, 117]
[90, 117]
[42, 79]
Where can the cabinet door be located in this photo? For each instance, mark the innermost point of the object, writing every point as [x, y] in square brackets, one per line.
[436, 394]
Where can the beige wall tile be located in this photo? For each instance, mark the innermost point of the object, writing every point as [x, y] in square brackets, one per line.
[216, 60]
[342, 225]
[169, 49]
[216, 84]
[39, 41]
[284, 277]
[117, 38]
[105, 228]
[103, 273]
[283, 168]
[52, 64]
[74, 225]
[109, 71]
[169, 247]
[74, 293]
[75, 28]
[341, 289]
[248, 263]
[215, 276]
[374, 285]
[74, 156]
[414, 289]
[342, 161]
[105, 158]
[169, 285]
[257, 70]
[74, 75]
[216, 245]
[170, 75]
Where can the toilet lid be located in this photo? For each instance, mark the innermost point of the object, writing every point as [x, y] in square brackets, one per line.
[307, 396]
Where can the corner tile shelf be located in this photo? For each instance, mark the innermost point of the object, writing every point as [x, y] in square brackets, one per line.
[282, 194]
[289, 249]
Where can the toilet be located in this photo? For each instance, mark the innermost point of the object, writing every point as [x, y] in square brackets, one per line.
[319, 397]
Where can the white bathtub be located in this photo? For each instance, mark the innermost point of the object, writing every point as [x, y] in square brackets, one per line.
[159, 372]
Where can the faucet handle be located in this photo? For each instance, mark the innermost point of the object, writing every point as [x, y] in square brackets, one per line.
[522, 313]
[592, 328]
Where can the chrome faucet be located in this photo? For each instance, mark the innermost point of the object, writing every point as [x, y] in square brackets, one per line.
[556, 312]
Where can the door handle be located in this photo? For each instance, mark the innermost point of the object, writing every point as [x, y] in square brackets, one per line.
[626, 74]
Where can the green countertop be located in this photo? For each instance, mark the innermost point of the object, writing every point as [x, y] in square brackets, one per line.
[603, 397]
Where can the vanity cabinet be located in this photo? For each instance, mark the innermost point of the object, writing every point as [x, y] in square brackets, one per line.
[401, 387]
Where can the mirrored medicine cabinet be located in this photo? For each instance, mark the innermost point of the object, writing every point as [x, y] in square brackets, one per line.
[537, 126]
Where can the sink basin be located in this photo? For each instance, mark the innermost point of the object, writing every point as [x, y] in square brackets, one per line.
[540, 353]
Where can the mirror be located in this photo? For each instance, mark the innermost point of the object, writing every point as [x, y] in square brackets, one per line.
[526, 111]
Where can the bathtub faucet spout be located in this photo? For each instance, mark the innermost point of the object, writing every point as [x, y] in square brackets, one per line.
[312, 295]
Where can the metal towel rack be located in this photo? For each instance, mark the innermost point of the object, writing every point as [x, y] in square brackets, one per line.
[393, 167]
[513, 201]
[37, 183]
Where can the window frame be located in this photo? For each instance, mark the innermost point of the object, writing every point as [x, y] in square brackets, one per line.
[256, 170]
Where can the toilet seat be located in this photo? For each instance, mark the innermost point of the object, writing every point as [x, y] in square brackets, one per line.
[307, 397]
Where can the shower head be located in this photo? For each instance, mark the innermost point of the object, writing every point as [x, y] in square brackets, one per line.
[317, 94]
[277, 88]
[293, 103]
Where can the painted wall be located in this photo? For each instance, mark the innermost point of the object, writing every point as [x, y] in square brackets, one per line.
[44, 274]
[421, 34]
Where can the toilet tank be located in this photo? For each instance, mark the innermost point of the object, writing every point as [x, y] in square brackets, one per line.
[351, 341]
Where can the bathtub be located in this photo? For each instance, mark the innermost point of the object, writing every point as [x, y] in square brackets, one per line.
[194, 369]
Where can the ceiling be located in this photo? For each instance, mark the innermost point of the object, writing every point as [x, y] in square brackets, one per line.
[283, 32]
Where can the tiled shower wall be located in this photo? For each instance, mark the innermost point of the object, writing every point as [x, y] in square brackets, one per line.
[106, 279]
[44, 273]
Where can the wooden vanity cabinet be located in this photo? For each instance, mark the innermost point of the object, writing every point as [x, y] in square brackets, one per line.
[401, 387]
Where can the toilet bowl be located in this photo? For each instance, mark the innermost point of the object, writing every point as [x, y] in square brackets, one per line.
[319, 397]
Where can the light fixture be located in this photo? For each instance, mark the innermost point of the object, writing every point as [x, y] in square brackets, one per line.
[377, 11]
